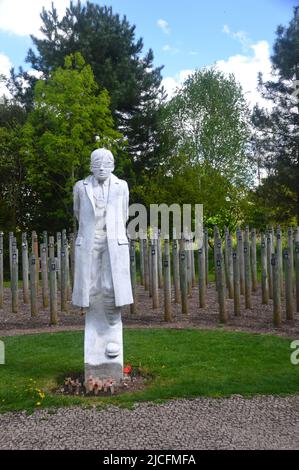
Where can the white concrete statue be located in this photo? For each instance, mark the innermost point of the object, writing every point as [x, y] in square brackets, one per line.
[102, 281]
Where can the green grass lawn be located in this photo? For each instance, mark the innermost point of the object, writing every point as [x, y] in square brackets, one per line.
[184, 363]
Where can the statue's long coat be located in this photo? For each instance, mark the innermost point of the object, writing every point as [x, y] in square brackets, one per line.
[118, 245]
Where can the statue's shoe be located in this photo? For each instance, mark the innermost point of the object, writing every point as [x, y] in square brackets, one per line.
[112, 349]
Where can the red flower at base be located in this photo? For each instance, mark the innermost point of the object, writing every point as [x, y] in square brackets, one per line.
[128, 369]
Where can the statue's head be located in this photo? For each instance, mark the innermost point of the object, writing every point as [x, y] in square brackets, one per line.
[101, 163]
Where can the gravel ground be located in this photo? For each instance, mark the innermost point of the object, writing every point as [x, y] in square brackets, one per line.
[262, 422]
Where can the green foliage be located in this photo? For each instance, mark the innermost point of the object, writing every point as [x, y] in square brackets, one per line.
[108, 44]
[219, 364]
[59, 136]
[203, 156]
[276, 140]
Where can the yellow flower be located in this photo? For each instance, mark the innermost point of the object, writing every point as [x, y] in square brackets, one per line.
[38, 403]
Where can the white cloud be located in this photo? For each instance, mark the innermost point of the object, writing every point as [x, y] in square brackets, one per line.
[170, 49]
[21, 17]
[5, 66]
[193, 53]
[246, 68]
[162, 24]
[170, 84]
[35, 73]
[226, 29]
[240, 36]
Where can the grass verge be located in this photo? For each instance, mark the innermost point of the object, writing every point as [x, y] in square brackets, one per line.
[184, 363]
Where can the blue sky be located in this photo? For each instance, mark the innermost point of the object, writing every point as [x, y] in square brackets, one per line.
[237, 35]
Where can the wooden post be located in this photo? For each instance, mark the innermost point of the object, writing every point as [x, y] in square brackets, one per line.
[291, 254]
[150, 268]
[51, 247]
[53, 292]
[220, 252]
[279, 258]
[35, 251]
[272, 240]
[10, 240]
[14, 278]
[288, 283]
[247, 271]
[183, 277]
[240, 249]
[253, 260]
[206, 248]
[230, 273]
[67, 268]
[264, 267]
[33, 293]
[58, 248]
[145, 264]
[189, 262]
[44, 270]
[72, 260]
[226, 234]
[276, 291]
[155, 286]
[176, 271]
[269, 267]
[45, 242]
[192, 264]
[216, 236]
[297, 274]
[133, 275]
[25, 269]
[63, 267]
[221, 288]
[201, 277]
[141, 261]
[236, 275]
[167, 282]
[159, 260]
[1, 271]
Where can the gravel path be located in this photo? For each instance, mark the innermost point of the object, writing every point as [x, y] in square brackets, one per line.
[262, 422]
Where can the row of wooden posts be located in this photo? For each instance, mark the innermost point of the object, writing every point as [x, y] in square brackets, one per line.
[56, 271]
[163, 262]
[235, 269]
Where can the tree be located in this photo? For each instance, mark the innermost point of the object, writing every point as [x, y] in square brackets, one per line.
[204, 133]
[59, 136]
[13, 191]
[277, 130]
[108, 45]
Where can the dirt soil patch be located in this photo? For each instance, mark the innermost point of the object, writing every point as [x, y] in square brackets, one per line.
[258, 319]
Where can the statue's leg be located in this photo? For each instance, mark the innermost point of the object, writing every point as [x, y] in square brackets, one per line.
[103, 343]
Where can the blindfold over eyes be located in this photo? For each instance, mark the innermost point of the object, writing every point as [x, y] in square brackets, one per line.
[104, 165]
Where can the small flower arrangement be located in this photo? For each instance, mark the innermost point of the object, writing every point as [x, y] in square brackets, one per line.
[94, 385]
[75, 384]
[72, 386]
